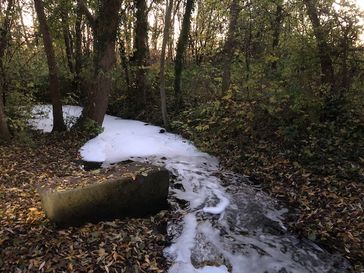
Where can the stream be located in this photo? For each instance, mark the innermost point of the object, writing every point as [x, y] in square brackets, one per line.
[232, 226]
[227, 225]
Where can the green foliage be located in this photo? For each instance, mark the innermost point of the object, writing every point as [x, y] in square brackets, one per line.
[229, 126]
[90, 128]
[201, 80]
[18, 110]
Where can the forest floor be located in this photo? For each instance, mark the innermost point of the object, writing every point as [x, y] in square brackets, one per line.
[30, 243]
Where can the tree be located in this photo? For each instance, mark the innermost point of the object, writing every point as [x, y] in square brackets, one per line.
[208, 28]
[67, 36]
[4, 38]
[104, 25]
[229, 47]
[345, 37]
[58, 122]
[140, 56]
[78, 49]
[278, 20]
[162, 84]
[180, 51]
[327, 68]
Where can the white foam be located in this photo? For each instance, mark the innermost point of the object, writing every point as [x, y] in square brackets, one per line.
[130, 139]
[201, 188]
[43, 119]
[181, 249]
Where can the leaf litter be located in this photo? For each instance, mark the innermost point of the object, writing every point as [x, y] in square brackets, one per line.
[30, 243]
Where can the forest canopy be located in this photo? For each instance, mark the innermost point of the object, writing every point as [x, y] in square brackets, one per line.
[301, 57]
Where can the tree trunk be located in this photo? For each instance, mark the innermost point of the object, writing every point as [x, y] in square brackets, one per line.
[155, 32]
[104, 28]
[345, 44]
[230, 45]
[58, 122]
[327, 69]
[67, 40]
[276, 32]
[333, 102]
[4, 38]
[162, 85]
[140, 56]
[180, 52]
[4, 130]
[78, 50]
[128, 23]
[170, 43]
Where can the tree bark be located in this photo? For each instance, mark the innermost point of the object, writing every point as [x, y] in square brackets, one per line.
[58, 122]
[327, 68]
[4, 39]
[162, 85]
[140, 56]
[230, 44]
[180, 52]
[104, 27]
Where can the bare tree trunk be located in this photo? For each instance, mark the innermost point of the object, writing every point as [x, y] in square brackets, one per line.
[230, 44]
[128, 23]
[4, 130]
[170, 43]
[4, 38]
[67, 40]
[327, 69]
[155, 32]
[170, 47]
[58, 122]
[78, 50]
[180, 52]
[162, 85]
[87, 39]
[104, 28]
[276, 32]
[140, 56]
[333, 99]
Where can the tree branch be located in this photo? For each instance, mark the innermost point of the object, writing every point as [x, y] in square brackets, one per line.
[91, 18]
